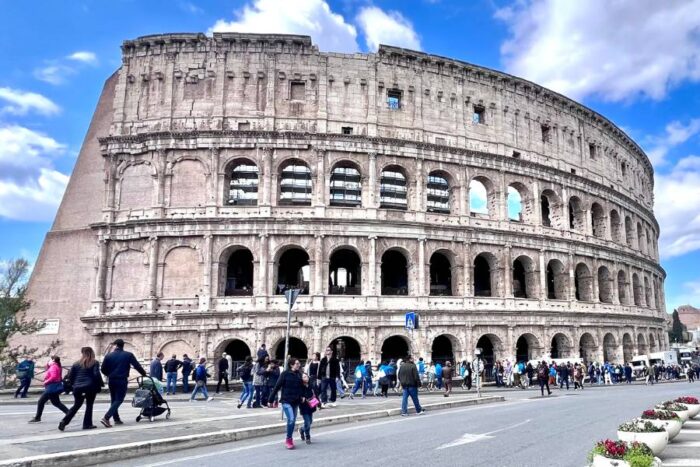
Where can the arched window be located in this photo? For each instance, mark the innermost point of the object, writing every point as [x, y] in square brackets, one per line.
[576, 214]
[557, 280]
[615, 226]
[438, 193]
[629, 231]
[478, 198]
[243, 184]
[551, 208]
[605, 292]
[647, 292]
[641, 242]
[295, 184]
[622, 287]
[485, 284]
[394, 273]
[346, 188]
[440, 275]
[524, 278]
[598, 220]
[636, 290]
[583, 281]
[239, 273]
[393, 188]
[293, 271]
[344, 273]
[515, 205]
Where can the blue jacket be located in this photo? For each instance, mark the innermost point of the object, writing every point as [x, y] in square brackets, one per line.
[117, 364]
[421, 367]
[438, 370]
[363, 370]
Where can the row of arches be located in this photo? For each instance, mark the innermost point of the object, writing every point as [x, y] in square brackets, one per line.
[438, 192]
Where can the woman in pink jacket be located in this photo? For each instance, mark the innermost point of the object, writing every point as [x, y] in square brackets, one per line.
[53, 387]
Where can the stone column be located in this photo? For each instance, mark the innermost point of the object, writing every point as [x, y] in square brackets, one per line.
[317, 341]
[468, 270]
[615, 291]
[319, 260]
[510, 351]
[373, 187]
[503, 203]
[565, 209]
[421, 267]
[207, 286]
[320, 188]
[594, 281]
[543, 276]
[267, 176]
[572, 281]
[507, 272]
[419, 202]
[161, 157]
[263, 280]
[102, 245]
[148, 345]
[203, 338]
[469, 342]
[153, 267]
[372, 273]
[537, 203]
[215, 179]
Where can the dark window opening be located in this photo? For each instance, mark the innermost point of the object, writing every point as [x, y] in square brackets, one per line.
[519, 280]
[440, 275]
[557, 279]
[297, 349]
[546, 133]
[239, 273]
[442, 351]
[344, 273]
[393, 99]
[482, 277]
[243, 126]
[573, 171]
[295, 184]
[346, 130]
[394, 348]
[591, 150]
[522, 350]
[297, 91]
[293, 271]
[546, 221]
[479, 114]
[394, 273]
[516, 154]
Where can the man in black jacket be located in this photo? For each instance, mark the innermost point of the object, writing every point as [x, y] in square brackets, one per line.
[328, 371]
[410, 382]
[171, 367]
[223, 373]
[116, 366]
[186, 371]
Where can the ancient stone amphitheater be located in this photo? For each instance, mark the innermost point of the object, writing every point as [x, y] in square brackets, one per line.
[220, 171]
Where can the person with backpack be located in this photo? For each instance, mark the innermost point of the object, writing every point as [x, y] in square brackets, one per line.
[25, 373]
[116, 366]
[291, 384]
[200, 379]
[223, 373]
[311, 369]
[438, 375]
[245, 372]
[86, 381]
[171, 367]
[307, 407]
[186, 372]
[543, 377]
[53, 387]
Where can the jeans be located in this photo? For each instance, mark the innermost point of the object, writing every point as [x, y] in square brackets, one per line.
[413, 392]
[359, 382]
[308, 420]
[172, 380]
[258, 396]
[55, 401]
[544, 383]
[439, 382]
[81, 396]
[267, 390]
[185, 383]
[202, 389]
[247, 393]
[325, 384]
[117, 393]
[339, 387]
[23, 387]
[290, 411]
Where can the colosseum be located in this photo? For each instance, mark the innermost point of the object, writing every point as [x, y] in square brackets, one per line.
[220, 171]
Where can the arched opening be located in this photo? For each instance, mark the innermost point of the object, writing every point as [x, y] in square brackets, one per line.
[524, 278]
[641, 344]
[239, 273]
[442, 350]
[295, 184]
[345, 186]
[483, 285]
[622, 287]
[641, 242]
[576, 214]
[394, 273]
[482, 196]
[587, 348]
[551, 209]
[394, 347]
[347, 349]
[652, 344]
[561, 346]
[647, 292]
[583, 281]
[515, 204]
[526, 347]
[237, 349]
[636, 290]
[344, 273]
[629, 231]
[440, 275]
[293, 271]
[242, 184]
[627, 348]
[650, 245]
[598, 220]
[393, 188]
[605, 290]
[615, 226]
[609, 348]
[488, 343]
[297, 349]
[438, 192]
[557, 281]
[545, 207]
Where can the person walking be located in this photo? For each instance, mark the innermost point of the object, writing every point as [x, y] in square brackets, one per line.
[628, 373]
[543, 377]
[186, 372]
[200, 381]
[223, 373]
[447, 374]
[311, 369]
[245, 372]
[86, 381]
[564, 372]
[438, 375]
[53, 387]
[384, 378]
[328, 371]
[307, 408]
[157, 367]
[116, 366]
[578, 376]
[25, 373]
[262, 352]
[530, 370]
[410, 382]
[290, 383]
[259, 381]
[468, 376]
[171, 367]
[272, 374]
[365, 378]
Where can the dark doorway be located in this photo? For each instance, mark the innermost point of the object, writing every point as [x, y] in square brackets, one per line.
[519, 280]
[546, 221]
[440, 275]
[394, 347]
[442, 350]
[293, 271]
[239, 273]
[237, 349]
[522, 353]
[487, 356]
[394, 273]
[297, 349]
[482, 277]
[348, 349]
[344, 273]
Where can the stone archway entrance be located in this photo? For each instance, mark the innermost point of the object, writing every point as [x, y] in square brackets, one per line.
[442, 350]
[489, 344]
[395, 347]
[347, 349]
[297, 349]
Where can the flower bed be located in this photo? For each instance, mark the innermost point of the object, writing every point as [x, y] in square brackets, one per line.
[665, 419]
[621, 454]
[680, 409]
[692, 403]
[644, 431]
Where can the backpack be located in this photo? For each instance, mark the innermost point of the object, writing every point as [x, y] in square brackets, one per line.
[390, 370]
[542, 372]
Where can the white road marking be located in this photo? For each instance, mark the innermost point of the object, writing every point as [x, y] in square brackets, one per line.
[472, 438]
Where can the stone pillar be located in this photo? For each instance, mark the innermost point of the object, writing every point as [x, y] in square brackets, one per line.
[565, 209]
[419, 202]
[267, 176]
[537, 207]
[203, 341]
[468, 270]
[153, 267]
[148, 346]
[208, 286]
[263, 279]
[543, 276]
[594, 282]
[319, 260]
[317, 342]
[469, 342]
[372, 273]
[320, 188]
[503, 196]
[572, 281]
[103, 245]
[615, 290]
[421, 267]
[372, 185]
[507, 272]
[510, 351]
[161, 157]
[374, 349]
[215, 179]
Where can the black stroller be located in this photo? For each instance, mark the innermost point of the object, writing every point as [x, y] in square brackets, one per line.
[149, 399]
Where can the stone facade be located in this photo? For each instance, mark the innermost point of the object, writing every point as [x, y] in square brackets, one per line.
[220, 170]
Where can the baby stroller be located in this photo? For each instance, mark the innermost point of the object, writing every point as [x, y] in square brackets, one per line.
[149, 399]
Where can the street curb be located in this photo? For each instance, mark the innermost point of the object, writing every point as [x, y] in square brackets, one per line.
[119, 452]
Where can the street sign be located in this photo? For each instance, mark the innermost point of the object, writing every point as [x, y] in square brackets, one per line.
[411, 321]
[291, 296]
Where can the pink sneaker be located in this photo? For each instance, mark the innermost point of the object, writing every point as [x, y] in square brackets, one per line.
[289, 443]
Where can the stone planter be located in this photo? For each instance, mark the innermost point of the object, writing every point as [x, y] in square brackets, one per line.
[672, 427]
[656, 441]
[600, 461]
[694, 409]
[682, 414]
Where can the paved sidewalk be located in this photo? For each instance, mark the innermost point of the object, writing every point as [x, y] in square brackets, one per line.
[684, 450]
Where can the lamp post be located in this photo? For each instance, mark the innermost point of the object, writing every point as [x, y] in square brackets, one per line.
[477, 370]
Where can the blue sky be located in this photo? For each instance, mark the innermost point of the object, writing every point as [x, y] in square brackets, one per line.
[635, 61]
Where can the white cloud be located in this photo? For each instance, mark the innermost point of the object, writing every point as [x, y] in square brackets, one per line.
[390, 28]
[83, 56]
[676, 133]
[23, 102]
[677, 209]
[30, 188]
[308, 17]
[55, 74]
[616, 50]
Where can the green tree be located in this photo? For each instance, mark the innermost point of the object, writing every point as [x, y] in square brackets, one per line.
[678, 329]
[13, 304]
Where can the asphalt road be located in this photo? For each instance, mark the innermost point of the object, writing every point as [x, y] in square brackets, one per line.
[527, 430]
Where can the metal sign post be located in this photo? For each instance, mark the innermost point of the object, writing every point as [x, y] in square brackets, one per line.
[477, 370]
[291, 296]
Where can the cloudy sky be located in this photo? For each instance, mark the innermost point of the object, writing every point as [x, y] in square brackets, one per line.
[635, 61]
